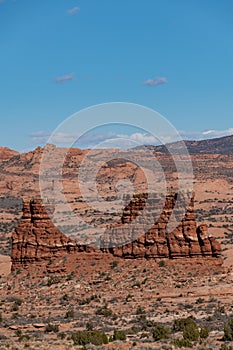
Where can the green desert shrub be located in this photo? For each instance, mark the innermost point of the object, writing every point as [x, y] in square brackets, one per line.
[85, 337]
[53, 280]
[24, 337]
[119, 335]
[89, 326]
[18, 301]
[182, 343]
[140, 310]
[228, 330]
[70, 314]
[224, 347]
[113, 264]
[191, 332]
[104, 311]
[15, 307]
[52, 328]
[88, 299]
[204, 332]
[160, 331]
[181, 323]
[161, 263]
[200, 301]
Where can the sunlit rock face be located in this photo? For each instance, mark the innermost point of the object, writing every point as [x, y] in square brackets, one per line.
[36, 239]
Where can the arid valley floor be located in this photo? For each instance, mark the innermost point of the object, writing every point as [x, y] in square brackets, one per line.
[70, 300]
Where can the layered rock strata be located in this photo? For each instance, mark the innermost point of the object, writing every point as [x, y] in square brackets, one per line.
[36, 239]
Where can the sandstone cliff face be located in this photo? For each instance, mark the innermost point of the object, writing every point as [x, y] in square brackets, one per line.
[36, 239]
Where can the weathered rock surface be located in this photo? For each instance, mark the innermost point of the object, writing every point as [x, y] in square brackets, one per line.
[186, 240]
[36, 239]
[7, 153]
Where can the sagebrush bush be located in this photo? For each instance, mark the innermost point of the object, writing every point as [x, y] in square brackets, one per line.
[70, 314]
[182, 343]
[191, 332]
[224, 347]
[93, 337]
[181, 323]
[119, 335]
[160, 331]
[140, 310]
[228, 330]
[53, 280]
[104, 311]
[52, 328]
[161, 263]
[200, 301]
[204, 332]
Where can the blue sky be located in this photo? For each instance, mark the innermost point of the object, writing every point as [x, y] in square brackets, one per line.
[58, 57]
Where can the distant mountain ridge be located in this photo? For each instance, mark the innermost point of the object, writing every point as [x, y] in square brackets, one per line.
[221, 145]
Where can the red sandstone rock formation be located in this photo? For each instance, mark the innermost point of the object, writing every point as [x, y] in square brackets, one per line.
[7, 153]
[36, 239]
[186, 240]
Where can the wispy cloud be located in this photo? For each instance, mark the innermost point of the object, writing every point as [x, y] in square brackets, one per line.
[42, 137]
[64, 78]
[155, 81]
[99, 140]
[144, 139]
[106, 139]
[207, 134]
[218, 133]
[73, 11]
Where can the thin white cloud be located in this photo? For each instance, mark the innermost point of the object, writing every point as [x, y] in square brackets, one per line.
[105, 139]
[207, 134]
[99, 140]
[73, 11]
[57, 138]
[143, 139]
[63, 138]
[218, 133]
[155, 81]
[64, 78]
[39, 137]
